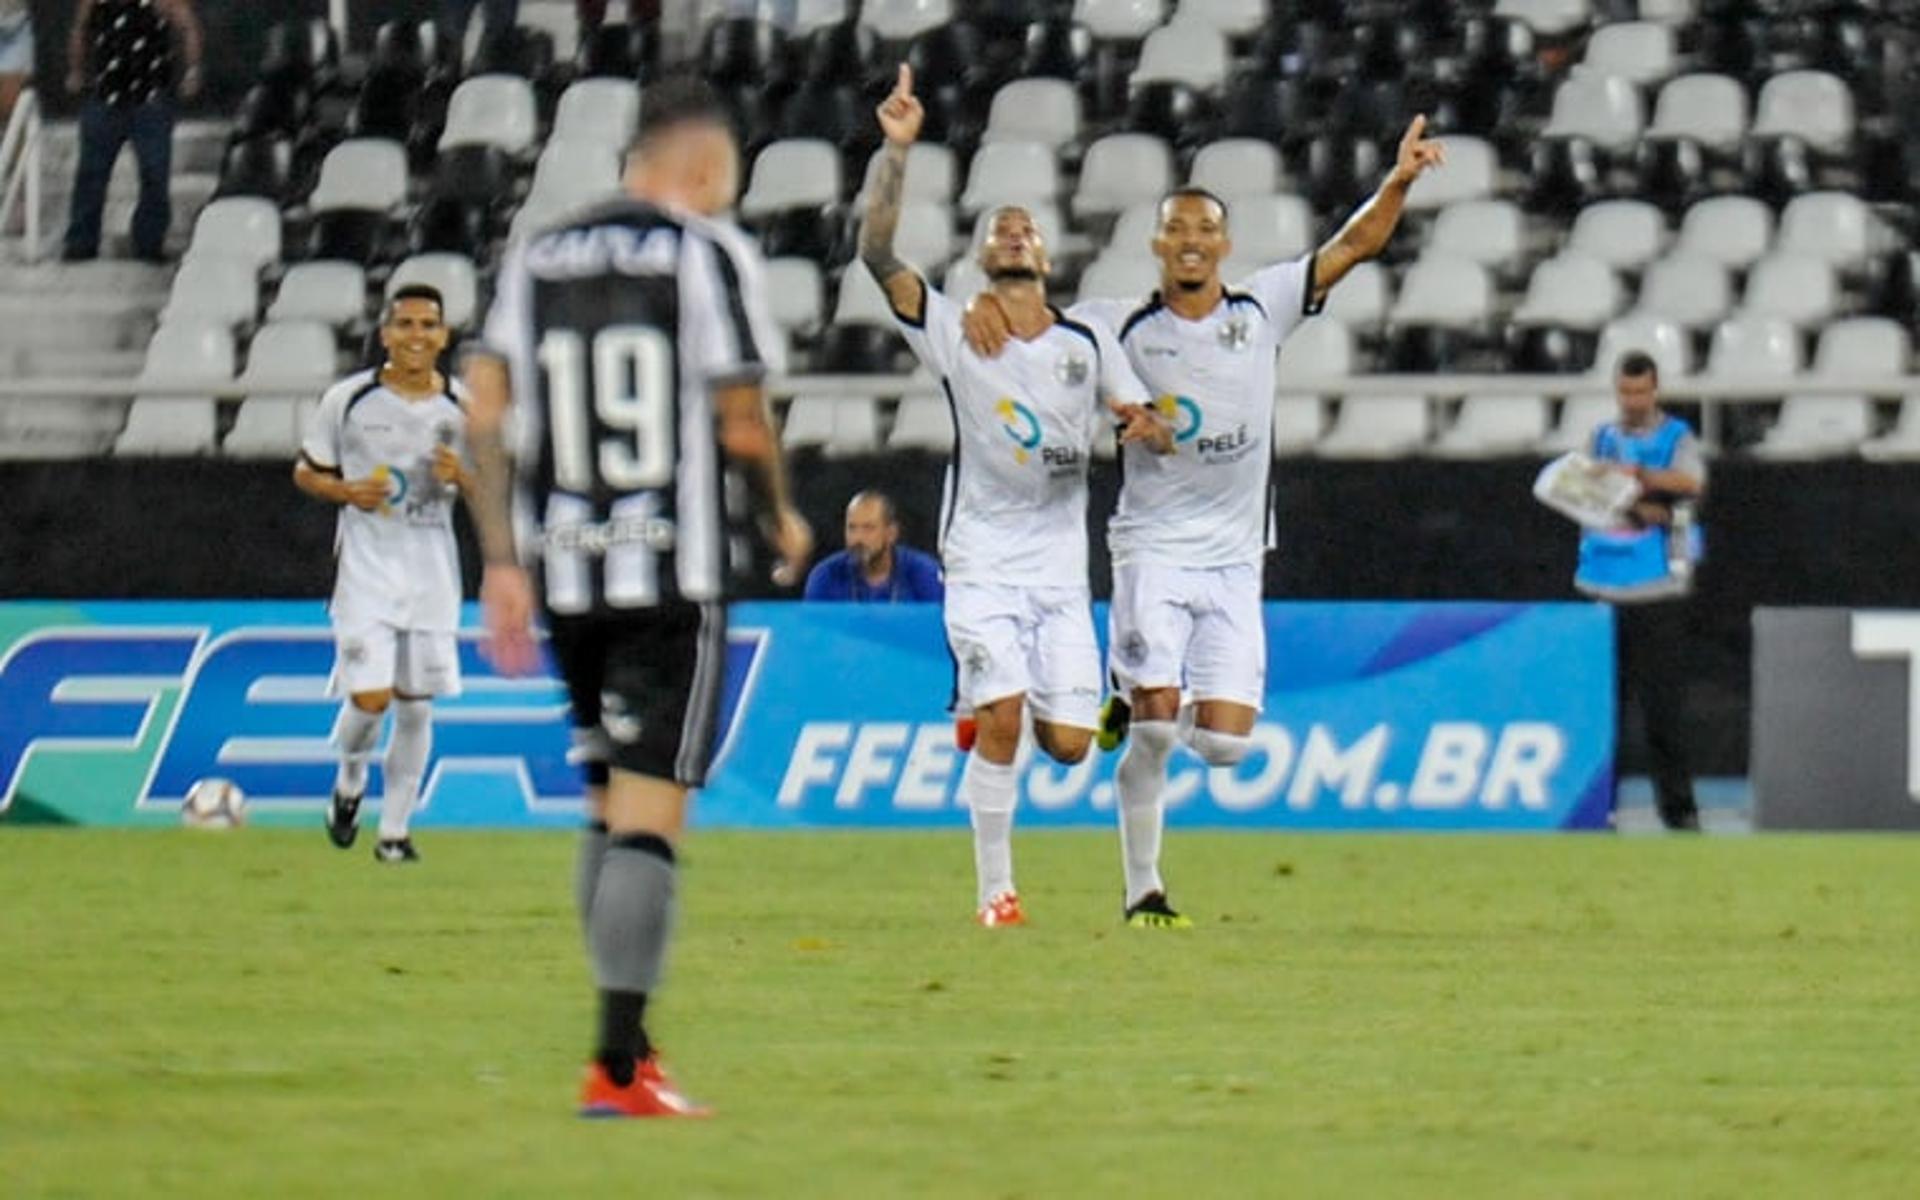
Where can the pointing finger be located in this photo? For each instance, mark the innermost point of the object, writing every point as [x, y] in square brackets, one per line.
[903, 86]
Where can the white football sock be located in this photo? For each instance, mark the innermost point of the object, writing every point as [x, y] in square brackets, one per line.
[1141, 780]
[356, 733]
[989, 790]
[407, 753]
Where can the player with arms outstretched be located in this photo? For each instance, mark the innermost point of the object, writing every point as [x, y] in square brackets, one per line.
[1013, 530]
[1192, 526]
[384, 446]
[627, 336]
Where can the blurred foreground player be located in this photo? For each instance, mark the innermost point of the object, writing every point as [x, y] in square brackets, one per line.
[627, 334]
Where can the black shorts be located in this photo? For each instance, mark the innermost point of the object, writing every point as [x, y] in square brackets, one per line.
[645, 688]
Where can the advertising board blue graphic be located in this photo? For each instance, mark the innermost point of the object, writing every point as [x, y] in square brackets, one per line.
[1378, 716]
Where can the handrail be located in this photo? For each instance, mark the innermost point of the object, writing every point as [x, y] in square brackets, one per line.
[22, 141]
[1439, 388]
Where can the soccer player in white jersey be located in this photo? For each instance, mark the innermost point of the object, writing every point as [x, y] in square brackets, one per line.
[1013, 534]
[1187, 643]
[384, 445]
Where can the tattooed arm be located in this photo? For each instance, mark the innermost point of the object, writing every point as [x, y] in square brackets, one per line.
[900, 118]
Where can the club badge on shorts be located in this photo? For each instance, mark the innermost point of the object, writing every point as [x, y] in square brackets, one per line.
[1236, 335]
[621, 725]
[1072, 370]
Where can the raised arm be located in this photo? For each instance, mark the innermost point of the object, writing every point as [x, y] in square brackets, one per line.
[1371, 227]
[900, 118]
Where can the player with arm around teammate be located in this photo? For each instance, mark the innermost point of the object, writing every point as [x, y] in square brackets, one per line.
[1186, 638]
[625, 341]
[384, 446]
[1013, 528]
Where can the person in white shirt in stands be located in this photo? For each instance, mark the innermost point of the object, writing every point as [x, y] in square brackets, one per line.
[385, 445]
[1187, 642]
[1014, 531]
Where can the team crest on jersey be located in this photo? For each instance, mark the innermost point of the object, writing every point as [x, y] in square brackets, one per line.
[1072, 369]
[621, 725]
[1236, 334]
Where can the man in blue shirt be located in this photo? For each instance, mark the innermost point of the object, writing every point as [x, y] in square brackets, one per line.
[875, 568]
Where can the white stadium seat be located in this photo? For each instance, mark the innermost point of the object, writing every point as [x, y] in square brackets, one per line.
[930, 174]
[1624, 234]
[572, 173]
[902, 20]
[1658, 337]
[1269, 229]
[1011, 173]
[1489, 232]
[1184, 52]
[453, 274]
[1377, 427]
[224, 291]
[1863, 346]
[333, 292]
[1734, 231]
[1572, 290]
[1797, 288]
[1753, 349]
[1121, 170]
[1835, 227]
[1640, 52]
[1604, 109]
[1550, 17]
[1710, 109]
[601, 111]
[1046, 111]
[1118, 276]
[1579, 417]
[1470, 173]
[1811, 105]
[183, 354]
[796, 294]
[1235, 18]
[1494, 425]
[1445, 291]
[283, 361]
[492, 110]
[1688, 289]
[1120, 20]
[238, 227]
[1362, 299]
[922, 423]
[1237, 168]
[361, 173]
[793, 173]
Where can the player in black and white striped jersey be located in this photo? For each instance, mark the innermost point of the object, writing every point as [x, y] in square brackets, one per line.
[633, 339]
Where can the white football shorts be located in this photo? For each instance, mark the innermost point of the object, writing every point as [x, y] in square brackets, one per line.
[1199, 629]
[413, 662]
[1009, 640]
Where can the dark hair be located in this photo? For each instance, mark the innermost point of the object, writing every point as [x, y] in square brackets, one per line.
[415, 291]
[678, 99]
[1636, 363]
[1194, 193]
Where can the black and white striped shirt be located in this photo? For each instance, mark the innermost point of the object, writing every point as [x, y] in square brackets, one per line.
[616, 327]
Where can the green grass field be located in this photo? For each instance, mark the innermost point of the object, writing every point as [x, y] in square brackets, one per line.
[255, 1014]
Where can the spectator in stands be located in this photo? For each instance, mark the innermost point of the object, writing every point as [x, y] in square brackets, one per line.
[875, 567]
[501, 16]
[121, 58]
[16, 54]
[593, 13]
[1645, 570]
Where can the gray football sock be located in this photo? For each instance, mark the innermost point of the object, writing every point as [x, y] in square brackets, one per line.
[632, 917]
[586, 873]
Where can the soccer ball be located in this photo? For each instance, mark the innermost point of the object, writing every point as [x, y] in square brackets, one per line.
[214, 804]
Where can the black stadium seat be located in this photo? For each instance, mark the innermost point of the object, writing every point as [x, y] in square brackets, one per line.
[447, 224]
[619, 51]
[260, 166]
[520, 51]
[741, 50]
[1057, 49]
[473, 174]
[349, 235]
[842, 53]
[1175, 112]
[1672, 172]
[389, 103]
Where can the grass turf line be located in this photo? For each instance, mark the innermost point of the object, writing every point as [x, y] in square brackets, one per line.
[255, 1013]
